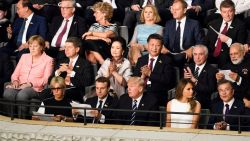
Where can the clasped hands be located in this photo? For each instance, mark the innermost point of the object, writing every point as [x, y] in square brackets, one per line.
[221, 125]
[145, 71]
[234, 76]
[17, 85]
[64, 67]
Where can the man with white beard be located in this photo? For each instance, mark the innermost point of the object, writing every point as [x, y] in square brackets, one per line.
[239, 70]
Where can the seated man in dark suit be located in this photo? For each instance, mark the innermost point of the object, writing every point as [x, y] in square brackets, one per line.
[203, 75]
[155, 68]
[181, 34]
[102, 100]
[137, 100]
[62, 27]
[231, 30]
[78, 72]
[227, 105]
[27, 25]
[239, 70]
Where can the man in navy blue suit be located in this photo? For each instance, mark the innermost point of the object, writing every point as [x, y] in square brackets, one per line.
[181, 34]
[226, 105]
[27, 25]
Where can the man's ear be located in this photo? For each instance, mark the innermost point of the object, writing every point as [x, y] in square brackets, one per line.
[185, 10]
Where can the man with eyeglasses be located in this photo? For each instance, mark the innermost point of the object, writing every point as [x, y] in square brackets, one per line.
[76, 71]
[62, 27]
[239, 70]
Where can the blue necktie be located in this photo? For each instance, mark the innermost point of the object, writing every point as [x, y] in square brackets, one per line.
[20, 34]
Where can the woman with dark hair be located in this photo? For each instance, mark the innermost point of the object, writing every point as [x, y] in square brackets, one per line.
[183, 102]
[98, 38]
[118, 68]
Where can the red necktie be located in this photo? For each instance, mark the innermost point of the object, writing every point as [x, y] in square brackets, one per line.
[60, 36]
[219, 43]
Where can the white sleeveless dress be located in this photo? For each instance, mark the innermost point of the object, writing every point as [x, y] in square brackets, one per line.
[180, 120]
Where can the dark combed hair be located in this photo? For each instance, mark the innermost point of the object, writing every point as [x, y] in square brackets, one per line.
[227, 4]
[179, 92]
[155, 36]
[224, 81]
[120, 40]
[75, 40]
[103, 80]
[27, 3]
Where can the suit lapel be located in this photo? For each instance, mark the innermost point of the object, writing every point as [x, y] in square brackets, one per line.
[185, 32]
[141, 105]
[230, 31]
[31, 26]
[158, 64]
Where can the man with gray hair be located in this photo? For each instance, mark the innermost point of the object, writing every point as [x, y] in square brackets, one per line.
[239, 70]
[203, 75]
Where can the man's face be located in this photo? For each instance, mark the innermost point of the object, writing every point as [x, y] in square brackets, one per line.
[67, 9]
[70, 50]
[21, 11]
[226, 92]
[134, 90]
[154, 47]
[178, 11]
[227, 13]
[236, 55]
[199, 56]
[101, 89]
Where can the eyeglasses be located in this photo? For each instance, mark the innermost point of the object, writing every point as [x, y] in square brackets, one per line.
[58, 88]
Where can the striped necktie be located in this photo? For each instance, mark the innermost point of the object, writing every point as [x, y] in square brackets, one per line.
[134, 107]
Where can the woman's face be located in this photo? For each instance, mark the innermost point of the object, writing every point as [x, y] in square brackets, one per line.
[188, 91]
[35, 49]
[99, 15]
[116, 50]
[148, 14]
[57, 91]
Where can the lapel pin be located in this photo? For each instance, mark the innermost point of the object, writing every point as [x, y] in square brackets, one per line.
[235, 106]
[160, 61]
[77, 66]
[142, 104]
[231, 27]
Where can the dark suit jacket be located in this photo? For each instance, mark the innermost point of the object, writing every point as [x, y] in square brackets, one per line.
[243, 70]
[206, 84]
[83, 73]
[160, 4]
[236, 31]
[37, 26]
[191, 36]
[77, 29]
[162, 77]
[142, 118]
[6, 70]
[110, 103]
[236, 109]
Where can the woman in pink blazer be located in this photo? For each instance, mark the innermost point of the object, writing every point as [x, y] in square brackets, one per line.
[31, 74]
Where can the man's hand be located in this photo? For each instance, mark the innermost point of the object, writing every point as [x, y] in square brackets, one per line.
[219, 76]
[233, 76]
[223, 38]
[136, 7]
[221, 125]
[189, 53]
[146, 71]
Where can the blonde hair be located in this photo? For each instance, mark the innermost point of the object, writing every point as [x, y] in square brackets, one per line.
[105, 8]
[39, 39]
[157, 17]
[58, 80]
[136, 80]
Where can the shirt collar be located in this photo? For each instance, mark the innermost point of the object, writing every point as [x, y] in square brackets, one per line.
[30, 17]
[149, 57]
[69, 19]
[74, 60]
[201, 66]
[230, 103]
[138, 100]
[103, 100]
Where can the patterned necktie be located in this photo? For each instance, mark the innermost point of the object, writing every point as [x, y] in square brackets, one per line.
[177, 39]
[196, 73]
[226, 111]
[100, 106]
[219, 42]
[134, 107]
[67, 78]
[20, 34]
[60, 36]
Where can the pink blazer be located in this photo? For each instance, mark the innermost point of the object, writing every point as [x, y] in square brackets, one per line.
[37, 73]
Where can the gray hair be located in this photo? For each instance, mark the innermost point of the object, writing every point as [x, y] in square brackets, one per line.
[203, 47]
